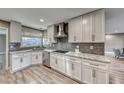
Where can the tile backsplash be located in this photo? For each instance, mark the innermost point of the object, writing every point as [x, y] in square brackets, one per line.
[98, 48]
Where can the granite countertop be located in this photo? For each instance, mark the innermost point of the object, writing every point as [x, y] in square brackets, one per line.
[92, 57]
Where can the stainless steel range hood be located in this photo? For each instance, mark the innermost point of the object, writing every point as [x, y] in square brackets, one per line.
[61, 32]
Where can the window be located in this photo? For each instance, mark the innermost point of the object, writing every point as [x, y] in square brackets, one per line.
[31, 41]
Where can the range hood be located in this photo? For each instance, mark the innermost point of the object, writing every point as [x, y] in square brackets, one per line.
[61, 32]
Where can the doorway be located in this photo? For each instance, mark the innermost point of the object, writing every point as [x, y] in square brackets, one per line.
[3, 48]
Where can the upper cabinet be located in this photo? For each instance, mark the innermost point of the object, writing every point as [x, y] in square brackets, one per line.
[75, 30]
[87, 28]
[15, 32]
[51, 34]
[99, 25]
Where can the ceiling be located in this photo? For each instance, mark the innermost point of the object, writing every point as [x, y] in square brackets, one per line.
[31, 16]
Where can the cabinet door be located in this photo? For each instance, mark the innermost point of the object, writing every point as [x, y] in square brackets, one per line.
[68, 68]
[101, 77]
[40, 56]
[26, 60]
[87, 28]
[16, 63]
[53, 61]
[75, 30]
[87, 72]
[61, 63]
[99, 25]
[50, 34]
[15, 32]
[76, 70]
[34, 57]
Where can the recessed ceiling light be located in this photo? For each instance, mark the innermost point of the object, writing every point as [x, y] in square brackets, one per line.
[41, 20]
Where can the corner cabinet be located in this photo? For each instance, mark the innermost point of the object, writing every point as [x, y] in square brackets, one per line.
[51, 34]
[88, 28]
[15, 32]
[75, 30]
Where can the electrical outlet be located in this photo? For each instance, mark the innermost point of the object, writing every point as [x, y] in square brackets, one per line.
[91, 47]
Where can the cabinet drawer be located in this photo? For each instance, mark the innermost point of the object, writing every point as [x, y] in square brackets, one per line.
[96, 64]
[74, 59]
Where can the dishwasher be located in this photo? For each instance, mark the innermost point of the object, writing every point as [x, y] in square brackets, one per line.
[46, 58]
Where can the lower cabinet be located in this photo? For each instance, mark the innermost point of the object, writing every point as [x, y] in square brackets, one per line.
[57, 62]
[83, 70]
[37, 57]
[16, 62]
[25, 59]
[19, 61]
[87, 74]
[73, 67]
[95, 72]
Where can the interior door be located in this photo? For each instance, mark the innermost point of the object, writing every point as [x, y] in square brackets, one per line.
[3, 48]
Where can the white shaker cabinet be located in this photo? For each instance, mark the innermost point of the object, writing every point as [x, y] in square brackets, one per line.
[87, 73]
[73, 67]
[87, 30]
[99, 25]
[75, 30]
[15, 32]
[53, 61]
[37, 57]
[57, 62]
[51, 34]
[26, 60]
[101, 76]
[95, 72]
[16, 62]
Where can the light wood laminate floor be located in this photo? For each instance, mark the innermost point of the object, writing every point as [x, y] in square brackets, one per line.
[39, 74]
[36, 74]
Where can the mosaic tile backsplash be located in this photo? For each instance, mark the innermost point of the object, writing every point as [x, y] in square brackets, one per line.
[98, 48]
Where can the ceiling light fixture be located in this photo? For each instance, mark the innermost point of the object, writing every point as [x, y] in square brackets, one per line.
[41, 20]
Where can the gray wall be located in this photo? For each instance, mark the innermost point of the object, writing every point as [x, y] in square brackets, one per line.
[114, 29]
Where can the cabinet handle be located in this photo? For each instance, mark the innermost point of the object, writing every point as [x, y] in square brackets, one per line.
[21, 60]
[93, 73]
[72, 66]
[94, 64]
[93, 37]
[56, 61]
